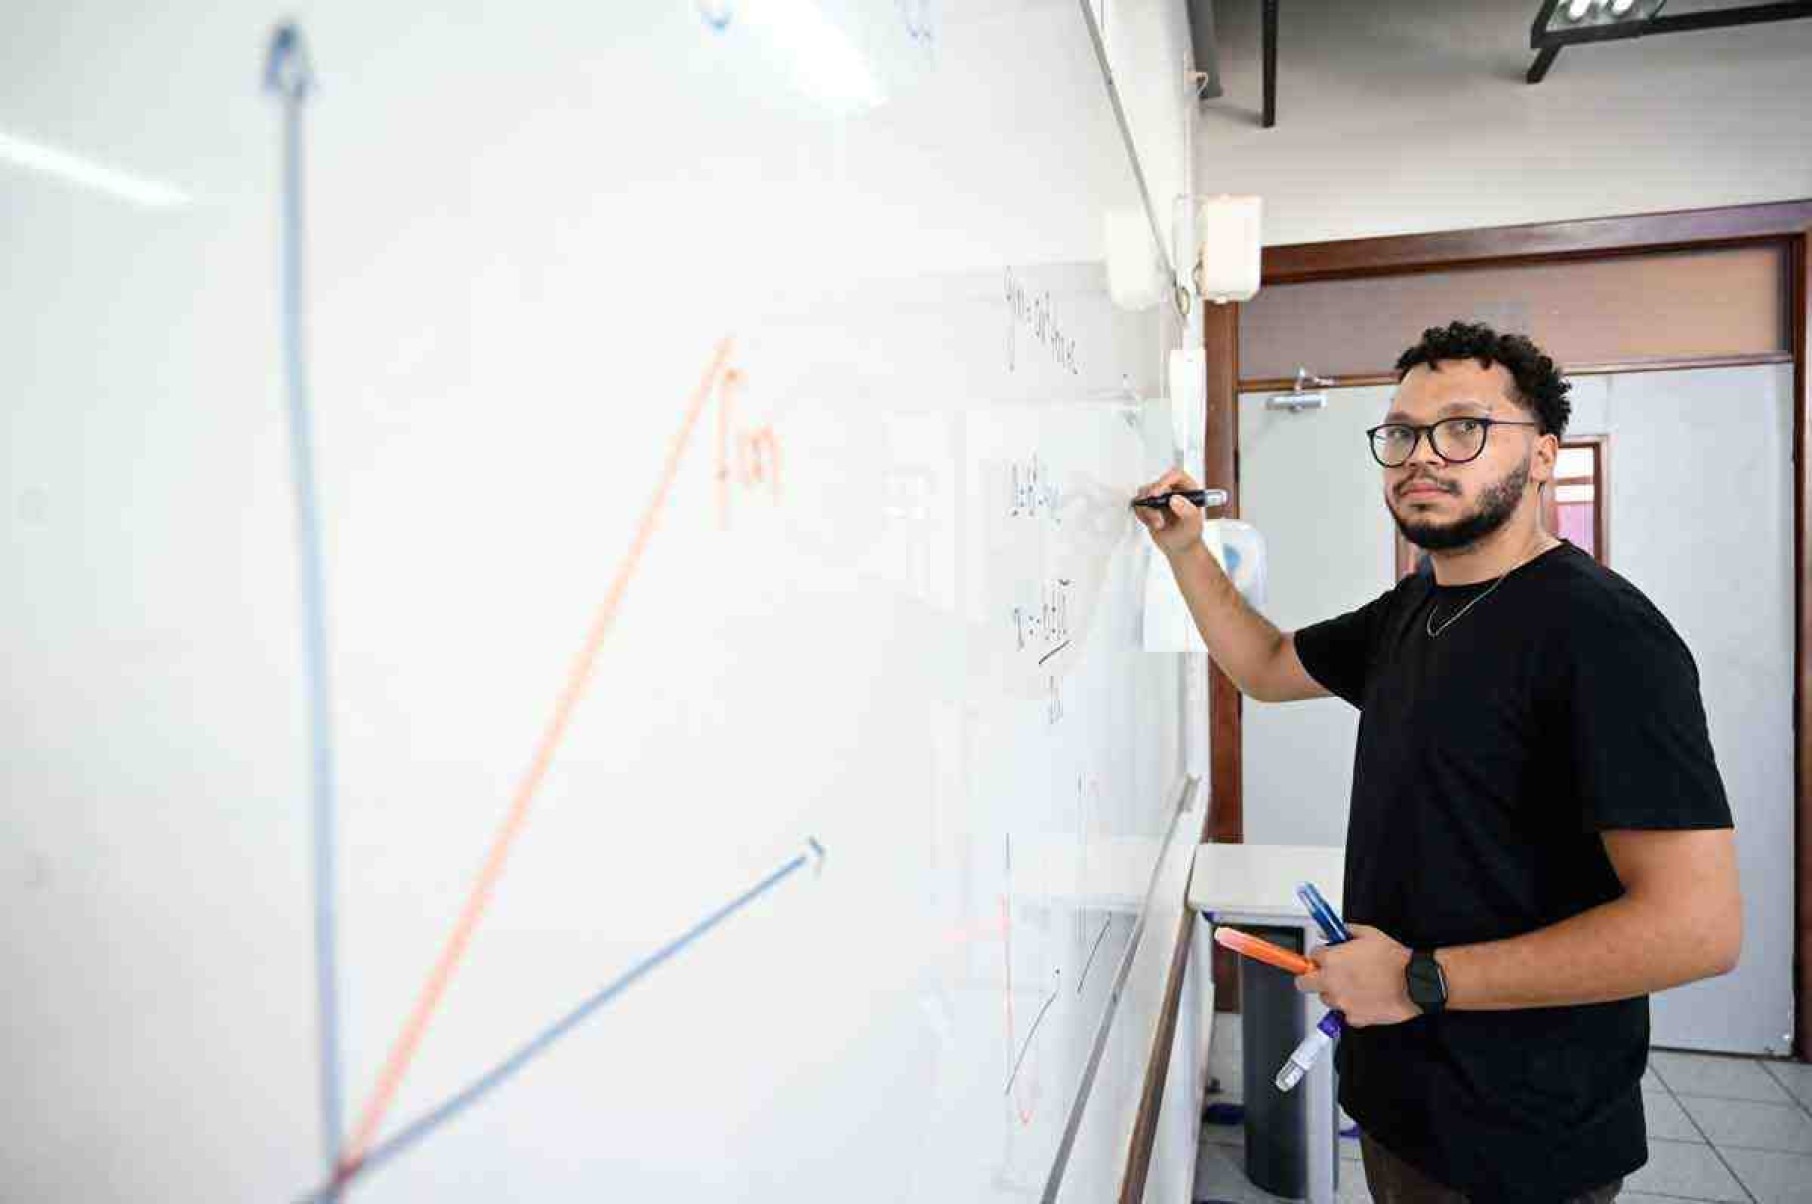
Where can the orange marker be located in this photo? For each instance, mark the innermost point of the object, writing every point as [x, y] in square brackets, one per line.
[1247, 945]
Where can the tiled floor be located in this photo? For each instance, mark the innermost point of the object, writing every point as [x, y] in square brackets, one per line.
[1724, 1129]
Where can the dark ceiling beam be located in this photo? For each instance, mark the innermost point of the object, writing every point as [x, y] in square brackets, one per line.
[1270, 63]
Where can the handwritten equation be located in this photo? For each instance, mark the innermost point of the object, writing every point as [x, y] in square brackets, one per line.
[916, 15]
[1035, 314]
[1044, 628]
[1033, 490]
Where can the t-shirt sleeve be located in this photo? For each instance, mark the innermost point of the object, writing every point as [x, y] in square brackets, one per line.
[1635, 721]
[1338, 652]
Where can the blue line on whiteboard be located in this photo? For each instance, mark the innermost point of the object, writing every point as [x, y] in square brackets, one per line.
[1053, 652]
[812, 856]
[1091, 953]
[1032, 1032]
[289, 75]
[716, 15]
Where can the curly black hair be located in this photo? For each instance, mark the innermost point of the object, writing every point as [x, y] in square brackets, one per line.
[1540, 389]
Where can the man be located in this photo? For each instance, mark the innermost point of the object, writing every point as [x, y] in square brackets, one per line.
[1538, 838]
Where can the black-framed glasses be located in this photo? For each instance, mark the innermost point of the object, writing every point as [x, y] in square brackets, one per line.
[1455, 440]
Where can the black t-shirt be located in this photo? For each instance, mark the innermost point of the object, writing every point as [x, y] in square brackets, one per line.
[1490, 757]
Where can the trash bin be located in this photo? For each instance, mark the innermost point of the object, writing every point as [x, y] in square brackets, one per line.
[1270, 1029]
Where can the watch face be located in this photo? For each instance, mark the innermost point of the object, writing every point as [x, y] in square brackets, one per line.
[1425, 986]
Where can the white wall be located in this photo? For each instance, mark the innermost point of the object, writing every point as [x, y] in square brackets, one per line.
[1414, 116]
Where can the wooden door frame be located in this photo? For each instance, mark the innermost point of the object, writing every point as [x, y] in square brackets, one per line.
[1786, 223]
[1601, 493]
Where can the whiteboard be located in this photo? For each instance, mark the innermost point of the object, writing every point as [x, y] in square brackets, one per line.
[740, 374]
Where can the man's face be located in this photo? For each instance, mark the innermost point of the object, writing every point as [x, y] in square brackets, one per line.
[1438, 505]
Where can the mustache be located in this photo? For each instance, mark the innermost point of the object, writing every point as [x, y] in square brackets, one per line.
[1426, 479]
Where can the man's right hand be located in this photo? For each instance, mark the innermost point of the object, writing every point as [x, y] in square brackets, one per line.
[1179, 528]
[1261, 660]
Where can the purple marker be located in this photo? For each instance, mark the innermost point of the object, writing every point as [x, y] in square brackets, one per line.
[1320, 1037]
[1331, 1025]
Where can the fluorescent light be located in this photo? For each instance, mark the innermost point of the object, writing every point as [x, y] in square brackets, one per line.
[1620, 7]
[85, 174]
[826, 63]
[1576, 9]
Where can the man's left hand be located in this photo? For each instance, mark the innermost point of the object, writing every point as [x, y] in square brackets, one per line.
[1363, 977]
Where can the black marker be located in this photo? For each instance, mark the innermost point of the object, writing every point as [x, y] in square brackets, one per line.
[1201, 497]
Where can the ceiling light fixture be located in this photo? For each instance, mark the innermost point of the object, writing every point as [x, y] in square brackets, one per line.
[1562, 23]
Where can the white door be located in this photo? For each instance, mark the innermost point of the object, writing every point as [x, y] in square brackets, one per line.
[1700, 519]
[1310, 486]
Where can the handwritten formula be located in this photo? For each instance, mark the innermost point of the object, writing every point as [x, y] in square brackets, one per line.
[1034, 314]
[1044, 628]
[1033, 492]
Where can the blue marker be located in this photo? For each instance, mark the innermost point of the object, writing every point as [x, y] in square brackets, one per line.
[1325, 916]
[1329, 1029]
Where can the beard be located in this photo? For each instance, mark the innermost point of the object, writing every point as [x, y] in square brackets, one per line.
[1496, 504]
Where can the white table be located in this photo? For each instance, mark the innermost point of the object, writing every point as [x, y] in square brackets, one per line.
[1255, 884]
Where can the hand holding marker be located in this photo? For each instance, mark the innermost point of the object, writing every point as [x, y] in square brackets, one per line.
[1174, 510]
[1331, 1024]
[1324, 1033]
[1171, 509]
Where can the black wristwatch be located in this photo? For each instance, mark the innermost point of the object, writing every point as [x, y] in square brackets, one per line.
[1427, 984]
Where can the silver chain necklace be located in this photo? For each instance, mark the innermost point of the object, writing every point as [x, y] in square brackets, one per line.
[1433, 631]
